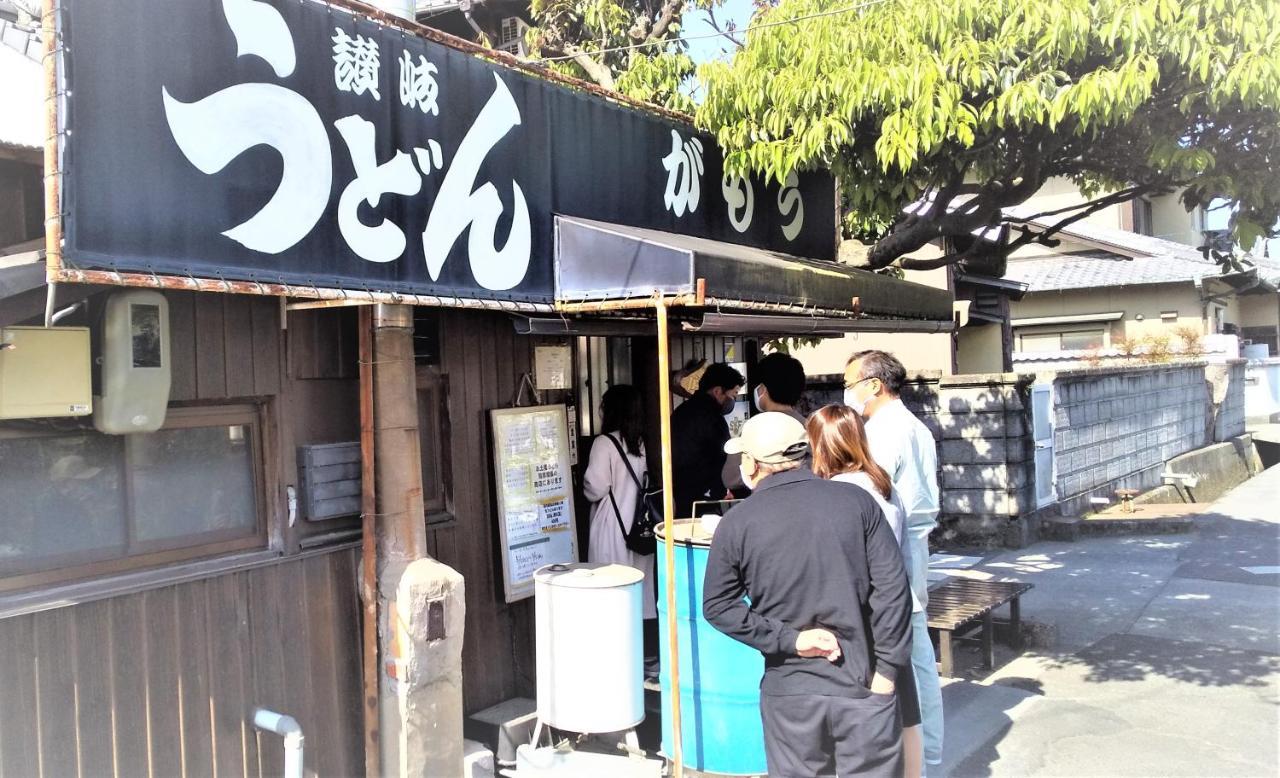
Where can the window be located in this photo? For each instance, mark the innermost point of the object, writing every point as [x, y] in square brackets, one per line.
[78, 503]
[1050, 341]
[1082, 340]
[434, 442]
[1071, 340]
[1142, 217]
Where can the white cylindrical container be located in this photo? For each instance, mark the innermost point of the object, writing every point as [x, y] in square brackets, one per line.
[590, 646]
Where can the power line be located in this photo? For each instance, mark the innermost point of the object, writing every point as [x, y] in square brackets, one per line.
[746, 30]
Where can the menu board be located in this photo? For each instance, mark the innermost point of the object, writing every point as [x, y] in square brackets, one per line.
[533, 475]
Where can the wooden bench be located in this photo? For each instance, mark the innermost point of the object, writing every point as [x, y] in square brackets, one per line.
[962, 601]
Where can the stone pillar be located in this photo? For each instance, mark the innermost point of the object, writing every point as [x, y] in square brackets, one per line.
[421, 607]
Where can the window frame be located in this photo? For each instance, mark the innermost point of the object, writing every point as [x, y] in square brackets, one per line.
[83, 566]
[432, 388]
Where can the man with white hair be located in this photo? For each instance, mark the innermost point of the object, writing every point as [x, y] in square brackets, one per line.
[902, 445]
[807, 572]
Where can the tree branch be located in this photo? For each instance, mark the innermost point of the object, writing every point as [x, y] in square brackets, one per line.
[670, 12]
[715, 25]
[1115, 198]
[597, 71]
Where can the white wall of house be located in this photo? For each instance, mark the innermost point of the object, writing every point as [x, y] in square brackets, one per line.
[979, 349]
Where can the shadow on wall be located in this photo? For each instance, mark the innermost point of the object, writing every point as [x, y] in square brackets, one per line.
[982, 427]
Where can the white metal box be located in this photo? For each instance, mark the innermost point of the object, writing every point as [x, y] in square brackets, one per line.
[45, 372]
[135, 363]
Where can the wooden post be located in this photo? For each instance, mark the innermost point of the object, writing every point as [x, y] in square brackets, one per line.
[52, 175]
[368, 551]
[668, 518]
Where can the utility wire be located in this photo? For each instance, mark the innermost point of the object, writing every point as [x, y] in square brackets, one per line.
[744, 31]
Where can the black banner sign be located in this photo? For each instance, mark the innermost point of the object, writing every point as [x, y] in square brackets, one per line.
[291, 141]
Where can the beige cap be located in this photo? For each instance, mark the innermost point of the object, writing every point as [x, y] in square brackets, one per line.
[771, 438]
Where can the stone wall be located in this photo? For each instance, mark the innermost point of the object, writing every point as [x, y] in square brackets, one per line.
[1227, 383]
[980, 423]
[1115, 428]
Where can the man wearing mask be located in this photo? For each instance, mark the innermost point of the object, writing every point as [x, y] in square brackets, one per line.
[698, 435]
[904, 447]
[781, 385]
[807, 572]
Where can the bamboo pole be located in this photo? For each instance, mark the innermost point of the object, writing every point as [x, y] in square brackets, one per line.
[368, 550]
[52, 175]
[668, 531]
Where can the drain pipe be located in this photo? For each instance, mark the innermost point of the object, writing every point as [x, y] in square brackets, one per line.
[287, 728]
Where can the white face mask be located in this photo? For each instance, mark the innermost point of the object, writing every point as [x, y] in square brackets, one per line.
[760, 397]
[851, 400]
[746, 477]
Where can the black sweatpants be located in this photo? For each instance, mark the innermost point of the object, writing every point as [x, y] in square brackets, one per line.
[813, 735]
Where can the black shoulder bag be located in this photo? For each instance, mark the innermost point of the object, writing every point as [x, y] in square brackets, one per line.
[645, 516]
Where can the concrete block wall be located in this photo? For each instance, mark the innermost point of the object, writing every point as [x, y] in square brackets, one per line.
[981, 426]
[1115, 429]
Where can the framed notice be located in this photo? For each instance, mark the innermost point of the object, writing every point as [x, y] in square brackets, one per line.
[534, 484]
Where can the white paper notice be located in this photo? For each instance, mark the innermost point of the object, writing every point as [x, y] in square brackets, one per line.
[552, 367]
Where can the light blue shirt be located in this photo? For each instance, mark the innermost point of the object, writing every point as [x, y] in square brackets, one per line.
[904, 447]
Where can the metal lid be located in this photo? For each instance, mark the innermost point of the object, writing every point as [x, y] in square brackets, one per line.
[588, 575]
[687, 532]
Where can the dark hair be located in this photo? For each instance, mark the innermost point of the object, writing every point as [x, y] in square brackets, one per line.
[783, 376]
[882, 365]
[721, 375]
[623, 413]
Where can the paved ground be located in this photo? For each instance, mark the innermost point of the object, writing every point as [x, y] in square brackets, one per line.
[1166, 659]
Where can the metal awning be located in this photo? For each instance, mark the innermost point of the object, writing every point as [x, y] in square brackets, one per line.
[599, 261]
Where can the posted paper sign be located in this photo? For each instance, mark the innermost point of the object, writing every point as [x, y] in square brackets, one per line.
[532, 471]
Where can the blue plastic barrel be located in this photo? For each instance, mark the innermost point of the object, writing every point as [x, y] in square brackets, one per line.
[719, 677]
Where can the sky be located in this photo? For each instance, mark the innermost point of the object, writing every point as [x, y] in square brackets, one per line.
[715, 48]
[708, 49]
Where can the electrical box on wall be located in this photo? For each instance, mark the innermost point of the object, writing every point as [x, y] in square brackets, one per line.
[45, 372]
[135, 363]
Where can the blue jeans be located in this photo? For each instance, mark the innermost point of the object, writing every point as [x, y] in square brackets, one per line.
[928, 686]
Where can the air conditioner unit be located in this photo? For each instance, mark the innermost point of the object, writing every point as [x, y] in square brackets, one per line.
[511, 36]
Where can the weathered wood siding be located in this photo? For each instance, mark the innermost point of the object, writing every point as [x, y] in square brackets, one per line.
[224, 346]
[163, 683]
[483, 358]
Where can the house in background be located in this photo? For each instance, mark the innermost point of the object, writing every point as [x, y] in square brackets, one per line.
[1103, 287]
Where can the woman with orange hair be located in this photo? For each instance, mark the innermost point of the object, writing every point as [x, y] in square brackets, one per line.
[838, 445]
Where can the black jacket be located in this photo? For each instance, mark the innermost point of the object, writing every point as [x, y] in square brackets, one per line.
[698, 435]
[811, 553]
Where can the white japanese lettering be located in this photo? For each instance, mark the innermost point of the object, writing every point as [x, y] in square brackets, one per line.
[418, 87]
[213, 131]
[684, 175]
[791, 203]
[740, 199]
[460, 205]
[384, 242]
[355, 63]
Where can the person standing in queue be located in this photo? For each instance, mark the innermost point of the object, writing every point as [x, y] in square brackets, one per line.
[616, 469]
[904, 447]
[781, 382]
[807, 572]
[698, 435]
[781, 386]
[840, 452]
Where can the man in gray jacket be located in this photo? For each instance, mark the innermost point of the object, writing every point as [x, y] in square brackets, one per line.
[829, 608]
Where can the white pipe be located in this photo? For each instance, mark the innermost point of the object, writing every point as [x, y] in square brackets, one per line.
[65, 312]
[288, 728]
